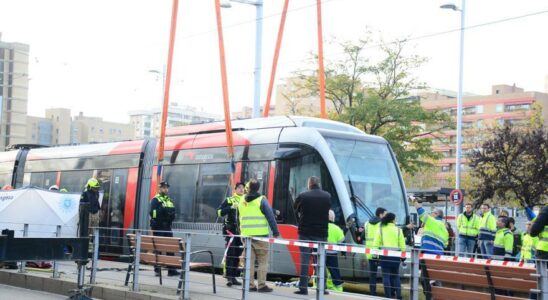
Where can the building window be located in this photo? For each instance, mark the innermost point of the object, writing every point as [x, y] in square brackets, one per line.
[445, 168]
[500, 108]
[101, 131]
[57, 118]
[479, 109]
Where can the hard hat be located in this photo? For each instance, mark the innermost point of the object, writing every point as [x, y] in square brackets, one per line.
[63, 190]
[93, 183]
[7, 187]
[54, 188]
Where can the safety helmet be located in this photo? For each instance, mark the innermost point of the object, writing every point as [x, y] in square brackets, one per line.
[63, 190]
[93, 183]
[54, 188]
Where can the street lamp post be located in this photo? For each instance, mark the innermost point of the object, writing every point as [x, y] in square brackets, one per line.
[258, 50]
[462, 11]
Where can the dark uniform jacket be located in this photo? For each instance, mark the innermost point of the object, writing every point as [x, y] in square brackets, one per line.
[230, 213]
[162, 213]
[91, 197]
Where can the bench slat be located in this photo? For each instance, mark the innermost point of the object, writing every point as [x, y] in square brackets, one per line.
[459, 267]
[443, 293]
[512, 272]
[513, 284]
[148, 258]
[459, 278]
[169, 261]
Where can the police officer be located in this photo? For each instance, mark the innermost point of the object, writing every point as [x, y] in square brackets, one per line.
[91, 196]
[390, 237]
[487, 231]
[435, 236]
[468, 228]
[231, 230]
[504, 240]
[162, 214]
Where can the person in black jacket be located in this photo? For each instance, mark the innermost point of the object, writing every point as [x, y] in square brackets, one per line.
[312, 209]
[231, 231]
[91, 196]
[162, 214]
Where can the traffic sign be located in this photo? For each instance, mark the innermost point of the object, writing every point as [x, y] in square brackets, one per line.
[456, 196]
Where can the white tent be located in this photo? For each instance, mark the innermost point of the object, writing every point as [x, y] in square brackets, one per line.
[42, 210]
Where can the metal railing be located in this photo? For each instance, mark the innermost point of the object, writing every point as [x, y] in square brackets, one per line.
[395, 266]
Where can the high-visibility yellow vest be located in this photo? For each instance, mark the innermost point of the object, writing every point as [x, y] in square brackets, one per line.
[529, 244]
[252, 220]
[232, 200]
[488, 227]
[468, 226]
[389, 237]
[166, 202]
[370, 232]
[504, 243]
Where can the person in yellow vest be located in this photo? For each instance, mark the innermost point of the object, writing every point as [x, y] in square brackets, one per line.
[468, 225]
[231, 231]
[540, 228]
[487, 231]
[335, 235]
[255, 219]
[504, 240]
[435, 235]
[390, 237]
[529, 244]
[162, 214]
[370, 231]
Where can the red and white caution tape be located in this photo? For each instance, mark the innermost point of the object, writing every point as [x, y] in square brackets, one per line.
[401, 254]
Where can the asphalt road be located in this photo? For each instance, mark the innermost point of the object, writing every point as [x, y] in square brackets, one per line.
[10, 292]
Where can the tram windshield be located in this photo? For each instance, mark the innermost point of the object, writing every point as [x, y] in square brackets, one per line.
[371, 177]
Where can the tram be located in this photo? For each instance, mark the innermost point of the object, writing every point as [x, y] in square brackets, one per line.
[358, 170]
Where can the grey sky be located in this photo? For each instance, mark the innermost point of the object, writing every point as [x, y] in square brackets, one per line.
[94, 56]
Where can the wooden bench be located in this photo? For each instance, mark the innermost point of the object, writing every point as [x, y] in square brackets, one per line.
[154, 251]
[476, 281]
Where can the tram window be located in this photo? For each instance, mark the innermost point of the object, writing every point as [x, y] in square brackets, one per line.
[182, 180]
[43, 180]
[5, 178]
[213, 188]
[75, 181]
[256, 170]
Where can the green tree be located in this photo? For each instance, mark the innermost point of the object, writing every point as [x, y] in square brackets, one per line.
[374, 96]
[512, 165]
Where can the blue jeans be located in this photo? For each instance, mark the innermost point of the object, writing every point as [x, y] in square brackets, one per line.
[391, 276]
[373, 266]
[466, 246]
[486, 248]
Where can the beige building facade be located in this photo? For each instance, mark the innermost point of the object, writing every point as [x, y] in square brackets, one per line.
[507, 105]
[290, 101]
[14, 83]
[58, 127]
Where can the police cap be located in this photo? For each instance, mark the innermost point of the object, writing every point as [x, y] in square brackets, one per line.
[164, 184]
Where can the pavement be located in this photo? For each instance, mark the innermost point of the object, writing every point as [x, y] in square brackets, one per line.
[110, 285]
[10, 292]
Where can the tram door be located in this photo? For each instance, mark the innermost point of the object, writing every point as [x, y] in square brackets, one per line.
[113, 186]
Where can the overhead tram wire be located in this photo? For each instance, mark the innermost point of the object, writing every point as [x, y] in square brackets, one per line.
[211, 31]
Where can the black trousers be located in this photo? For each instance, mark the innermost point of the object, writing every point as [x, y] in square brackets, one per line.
[233, 256]
[167, 233]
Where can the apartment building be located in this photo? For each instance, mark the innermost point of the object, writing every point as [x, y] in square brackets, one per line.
[147, 123]
[58, 127]
[506, 105]
[14, 84]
